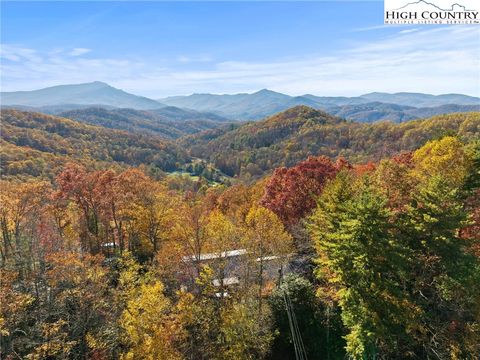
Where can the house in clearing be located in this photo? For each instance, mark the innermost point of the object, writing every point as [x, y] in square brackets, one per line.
[233, 268]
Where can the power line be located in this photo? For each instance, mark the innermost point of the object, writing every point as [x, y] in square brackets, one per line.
[299, 347]
[295, 323]
[292, 329]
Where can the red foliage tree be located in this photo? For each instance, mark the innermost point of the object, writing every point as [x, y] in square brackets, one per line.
[291, 193]
[405, 158]
[364, 169]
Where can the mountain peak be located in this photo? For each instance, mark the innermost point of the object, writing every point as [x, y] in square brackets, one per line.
[268, 92]
[264, 91]
[92, 93]
[87, 85]
[302, 113]
[99, 83]
[300, 109]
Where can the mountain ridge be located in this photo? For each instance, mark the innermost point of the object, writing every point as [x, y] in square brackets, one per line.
[93, 93]
[39, 144]
[266, 102]
[255, 148]
[168, 122]
[241, 106]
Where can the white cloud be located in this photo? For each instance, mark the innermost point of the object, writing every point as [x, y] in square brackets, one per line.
[18, 53]
[407, 31]
[27, 69]
[432, 60]
[79, 51]
[192, 59]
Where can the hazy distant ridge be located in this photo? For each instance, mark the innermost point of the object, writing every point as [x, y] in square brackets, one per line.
[95, 93]
[266, 102]
[370, 107]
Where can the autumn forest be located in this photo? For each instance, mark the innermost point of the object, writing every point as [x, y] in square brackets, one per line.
[300, 236]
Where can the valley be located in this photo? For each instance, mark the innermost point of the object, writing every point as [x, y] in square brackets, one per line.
[239, 180]
[209, 228]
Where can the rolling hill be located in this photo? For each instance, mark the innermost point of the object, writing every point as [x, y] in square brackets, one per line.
[254, 149]
[38, 145]
[168, 122]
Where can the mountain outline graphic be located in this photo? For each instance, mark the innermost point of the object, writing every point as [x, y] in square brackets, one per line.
[429, 3]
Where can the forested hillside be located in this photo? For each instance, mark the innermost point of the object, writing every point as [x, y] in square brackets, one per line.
[37, 144]
[239, 180]
[168, 122]
[377, 111]
[325, 259]
[336, 239]
[254, 149]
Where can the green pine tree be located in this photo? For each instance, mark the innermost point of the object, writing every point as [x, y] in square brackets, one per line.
[444, 277]
[361, 265]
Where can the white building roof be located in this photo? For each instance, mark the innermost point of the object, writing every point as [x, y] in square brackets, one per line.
[226, 281]
[267, 258]
[211, 256]
[227, 254]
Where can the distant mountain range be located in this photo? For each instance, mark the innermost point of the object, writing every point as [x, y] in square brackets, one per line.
[265, 102]
[421, 100]
[378, 111]
[370, 107]
[95, 93]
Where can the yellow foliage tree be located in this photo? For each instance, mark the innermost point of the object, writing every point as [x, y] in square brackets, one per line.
[265, 236]
[149, 329]
[444, 157]
[244, 336]
[20, 206]
[222, 237]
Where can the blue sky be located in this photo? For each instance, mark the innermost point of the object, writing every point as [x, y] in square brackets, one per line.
[158, 49]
